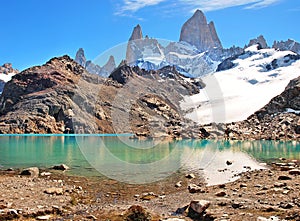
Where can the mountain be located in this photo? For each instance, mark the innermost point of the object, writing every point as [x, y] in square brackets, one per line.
[197, 32]
[6, 72]
[62, 97]
[244, 84]
[94, 68]
[198, 53]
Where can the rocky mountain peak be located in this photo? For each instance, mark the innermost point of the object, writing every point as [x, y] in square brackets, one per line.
[199, 16]
[80, 57]
[259, 40]
[197, 32]
[136, 34]
[290, 45]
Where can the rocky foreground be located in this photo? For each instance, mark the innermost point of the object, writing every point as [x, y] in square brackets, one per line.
[270, 194]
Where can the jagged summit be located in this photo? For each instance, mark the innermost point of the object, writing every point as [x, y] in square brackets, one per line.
[259, 40]
[80, 57]
[197, 32]
[137, 33]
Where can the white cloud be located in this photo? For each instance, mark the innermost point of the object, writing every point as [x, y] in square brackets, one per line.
[131, 6]
[212, 5]
[135, 5]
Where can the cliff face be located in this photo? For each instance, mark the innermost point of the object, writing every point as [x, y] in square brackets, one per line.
[197, 32]
[62, 97]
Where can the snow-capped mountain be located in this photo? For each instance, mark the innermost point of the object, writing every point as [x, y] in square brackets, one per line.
[250, 81]
[198, 52]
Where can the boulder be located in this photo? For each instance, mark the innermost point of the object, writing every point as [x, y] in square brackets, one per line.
[31, 171]
[199, 206]
[60, 167]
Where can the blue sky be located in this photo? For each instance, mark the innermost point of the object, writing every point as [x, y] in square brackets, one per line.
[33, 31]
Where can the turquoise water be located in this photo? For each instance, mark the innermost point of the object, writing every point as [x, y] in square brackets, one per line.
[124, 159]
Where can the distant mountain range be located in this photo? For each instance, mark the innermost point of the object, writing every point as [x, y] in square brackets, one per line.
[198, 52]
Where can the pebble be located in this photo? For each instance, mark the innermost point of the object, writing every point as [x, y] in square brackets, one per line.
[193, 188]
[190, 176]
[46, 217]
[229, 162]
[54, 190]
[178, 184]
[91, 217]
[283, 177]
[278, 184]
[243, 185]
[294, 172]
[221, 194]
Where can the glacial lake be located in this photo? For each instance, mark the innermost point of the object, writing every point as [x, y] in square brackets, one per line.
[135, 161]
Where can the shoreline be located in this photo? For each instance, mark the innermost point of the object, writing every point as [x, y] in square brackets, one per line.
[259, 193]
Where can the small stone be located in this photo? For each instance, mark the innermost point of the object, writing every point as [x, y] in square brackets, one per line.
[278, 184]
[13, 211]
[243, 185]
[193, 188]
[229, 162]
[61, 167]
[54, 190]
[45, 174]
[178, 184]
[221, 194]
[199, 206]
[92, 217]
[222, 186]
[294, 172]
[136, 196]
[31, 171]
[46, 217]
[190, 176]
[283, 177]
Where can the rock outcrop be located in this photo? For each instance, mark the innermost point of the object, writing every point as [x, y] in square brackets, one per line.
[197, 32]
[289, 45]
[260, 40]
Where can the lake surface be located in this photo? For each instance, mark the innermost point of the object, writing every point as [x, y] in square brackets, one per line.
[134, 161]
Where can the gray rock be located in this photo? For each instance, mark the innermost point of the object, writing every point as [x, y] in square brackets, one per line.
[61, 167]
[31, 171]
[199, 206]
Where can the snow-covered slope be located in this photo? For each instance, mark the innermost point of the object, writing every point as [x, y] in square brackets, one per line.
[234, 94]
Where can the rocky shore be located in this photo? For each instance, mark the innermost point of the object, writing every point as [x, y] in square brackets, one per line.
[270, 194]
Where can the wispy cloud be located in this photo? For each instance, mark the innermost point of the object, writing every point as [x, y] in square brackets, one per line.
[131, 6]
[134, 5]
